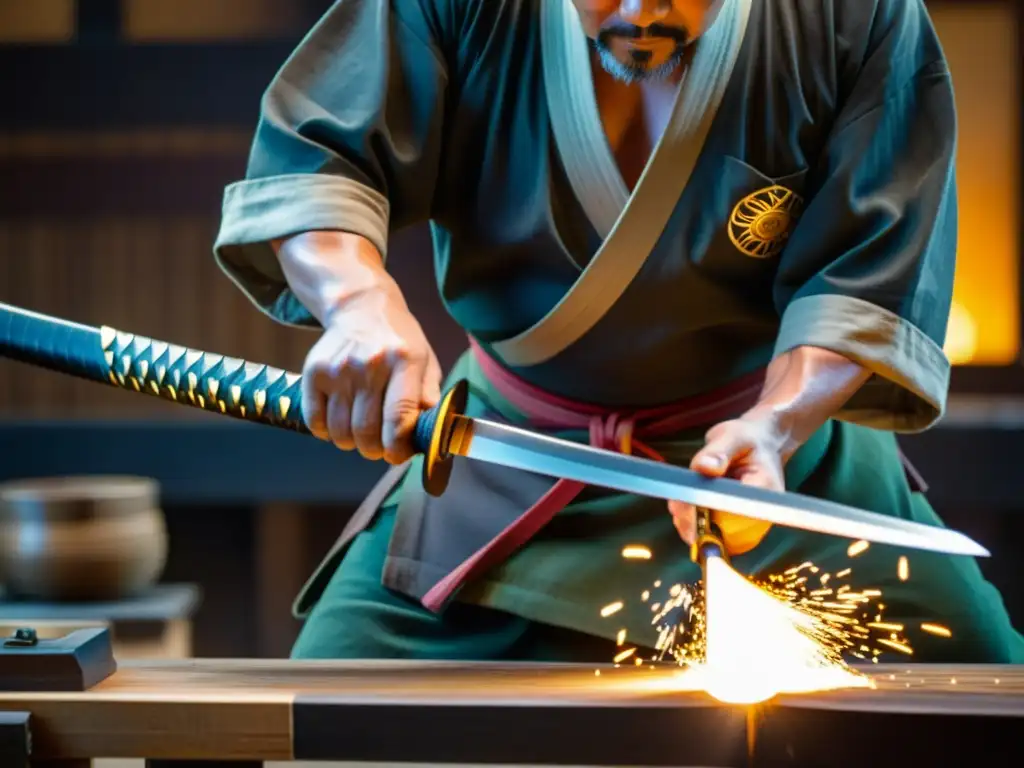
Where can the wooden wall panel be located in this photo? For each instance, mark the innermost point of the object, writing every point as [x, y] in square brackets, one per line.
[116, 228]
[37, 21]
[150, 275]
[200, 20]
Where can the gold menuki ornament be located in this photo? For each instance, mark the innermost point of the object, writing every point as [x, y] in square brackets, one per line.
[761, 222]
[439, 431]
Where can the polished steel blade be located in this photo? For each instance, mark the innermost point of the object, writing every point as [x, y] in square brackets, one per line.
[520, 449]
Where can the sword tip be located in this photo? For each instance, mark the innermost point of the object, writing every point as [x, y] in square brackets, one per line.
[968, 546]
[980, 551]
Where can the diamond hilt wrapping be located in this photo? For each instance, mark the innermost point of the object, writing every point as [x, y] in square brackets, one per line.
[226, 385]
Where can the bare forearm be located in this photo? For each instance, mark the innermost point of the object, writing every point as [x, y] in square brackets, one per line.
[803, 389]
[327, 269]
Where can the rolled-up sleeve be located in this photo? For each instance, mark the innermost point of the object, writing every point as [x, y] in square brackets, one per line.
[348, 139]
[868, 271]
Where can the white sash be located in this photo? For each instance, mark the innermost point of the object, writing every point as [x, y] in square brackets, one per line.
[630, 225]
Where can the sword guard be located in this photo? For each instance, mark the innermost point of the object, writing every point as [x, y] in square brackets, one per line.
[433, 435]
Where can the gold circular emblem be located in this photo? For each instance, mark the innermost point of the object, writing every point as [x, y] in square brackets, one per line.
[761, 221]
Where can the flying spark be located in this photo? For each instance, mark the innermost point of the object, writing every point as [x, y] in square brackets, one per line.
[611, 609]
[623, 655]
[936, 629]
[857, 548]
[636, 552]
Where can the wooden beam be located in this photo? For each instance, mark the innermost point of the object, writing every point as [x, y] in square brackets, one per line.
[73, 189]
[196, 461]
[93, 87]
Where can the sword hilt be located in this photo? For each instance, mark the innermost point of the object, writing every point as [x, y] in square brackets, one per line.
[230, 386]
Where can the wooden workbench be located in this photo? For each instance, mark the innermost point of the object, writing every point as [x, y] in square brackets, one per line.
[516, 714]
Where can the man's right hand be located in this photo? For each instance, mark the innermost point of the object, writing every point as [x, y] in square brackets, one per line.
[372, 372]
[369, 376]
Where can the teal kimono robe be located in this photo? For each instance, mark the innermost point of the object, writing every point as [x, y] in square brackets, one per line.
[803, 194]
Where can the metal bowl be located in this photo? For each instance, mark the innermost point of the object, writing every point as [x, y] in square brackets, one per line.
[81, 538]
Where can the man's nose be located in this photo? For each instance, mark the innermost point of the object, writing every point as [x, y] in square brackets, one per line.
[643, 13]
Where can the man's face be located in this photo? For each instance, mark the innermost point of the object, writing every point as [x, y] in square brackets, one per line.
[640, 40]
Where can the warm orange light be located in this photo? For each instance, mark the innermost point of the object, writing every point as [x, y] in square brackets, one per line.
[962, 336]
[980, 42]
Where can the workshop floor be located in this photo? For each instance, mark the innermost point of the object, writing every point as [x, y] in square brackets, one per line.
[109, 763]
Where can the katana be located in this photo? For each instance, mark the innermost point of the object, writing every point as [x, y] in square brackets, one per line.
[267, 395]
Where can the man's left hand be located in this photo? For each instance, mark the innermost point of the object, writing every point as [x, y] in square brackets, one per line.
[748, 449]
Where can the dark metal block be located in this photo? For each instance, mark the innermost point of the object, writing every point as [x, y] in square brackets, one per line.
[15, 739]
[672, 734]
[75, 662]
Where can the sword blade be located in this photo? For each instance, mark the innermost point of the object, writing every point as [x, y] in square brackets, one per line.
[519, 449]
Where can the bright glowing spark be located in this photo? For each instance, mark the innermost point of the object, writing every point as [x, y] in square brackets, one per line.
[787, 633]
[895, 645]
[611, 609]
[623, 655]
[886, 626]
[636, 552]
[903, 568]
[621, 637]
[936, 629]
[857, 548]
[764, 648]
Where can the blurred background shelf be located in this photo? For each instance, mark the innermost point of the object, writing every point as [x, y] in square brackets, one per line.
[154, 625]
[203, 462]
[205, 459]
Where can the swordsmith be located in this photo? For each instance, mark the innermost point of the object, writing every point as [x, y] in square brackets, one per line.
[266, 395]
